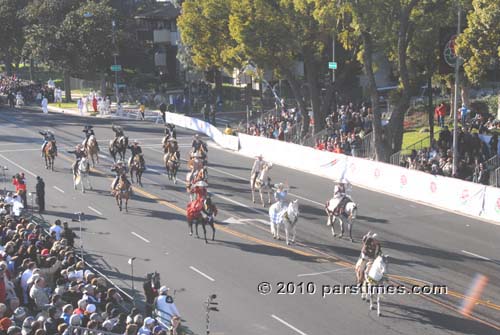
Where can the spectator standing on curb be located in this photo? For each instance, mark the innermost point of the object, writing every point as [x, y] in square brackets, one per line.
[205, 112]
[163, 110]
[68, 234]
[20, 185]
[56, 227]
[212, 115]
[80, 106]
[40, 194]
[45, 105]
[463, 114]
[94, 104]
[142, 109]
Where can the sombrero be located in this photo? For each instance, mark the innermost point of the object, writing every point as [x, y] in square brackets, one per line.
[172, 139]
[201, 183]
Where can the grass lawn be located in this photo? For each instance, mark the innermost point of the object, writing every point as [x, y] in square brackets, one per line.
[71, 105]
[413, 136]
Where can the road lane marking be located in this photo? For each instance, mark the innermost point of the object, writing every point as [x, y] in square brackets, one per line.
[201, 273]
[322, 273]
[475, 255]
[58, 189]
[154, 170]
[19, 166]
[94, 210]
[288, 325]
[139, 236]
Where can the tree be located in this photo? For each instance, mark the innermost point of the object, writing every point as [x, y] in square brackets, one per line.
[479, 44]
[70, 36]
[11, 38]
[387, 27]
[204, 29]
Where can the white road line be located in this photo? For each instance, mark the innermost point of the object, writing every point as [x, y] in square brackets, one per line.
[139, 236]
[103, 156]
[201, 273]
[324, 272]
[288, 325]
[17, 165]
[156, 171]
[475, 255]
[57, 188]
[94, 210]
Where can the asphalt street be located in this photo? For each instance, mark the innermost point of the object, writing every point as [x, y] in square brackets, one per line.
[424, 244]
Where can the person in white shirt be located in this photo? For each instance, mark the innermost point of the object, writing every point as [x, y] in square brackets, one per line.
[45, 105]
[80, 106]
[165, 307]
[258, 166]
[17, 205]
[56, 227]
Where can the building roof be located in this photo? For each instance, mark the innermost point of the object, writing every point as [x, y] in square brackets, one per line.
[165, 12]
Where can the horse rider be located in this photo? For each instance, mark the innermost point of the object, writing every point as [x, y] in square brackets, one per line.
[209, 209]
[118, 132]
[135, 150]
[170, 131]
[48, 136]
[339, 194]
[89, 131]
[280, 195]
[197, 144]
[119, 168]
[124, 179]
[369, 251]
[257, 168]
[79, 153]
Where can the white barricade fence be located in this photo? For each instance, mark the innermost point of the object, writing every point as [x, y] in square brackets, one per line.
[225, 141]
[448, 193]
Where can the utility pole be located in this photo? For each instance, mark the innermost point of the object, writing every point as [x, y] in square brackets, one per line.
[333, 57]
[455, 99]
[115, 54]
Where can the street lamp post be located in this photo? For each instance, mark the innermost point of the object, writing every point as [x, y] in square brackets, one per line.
[115, 54]
[4, 178]
[455, 100]
[80, 219]
[131, 262]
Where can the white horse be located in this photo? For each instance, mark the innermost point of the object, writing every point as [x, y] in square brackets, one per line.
[347, 215]
[288, 216]
[262, 184]
[81, 174]
[374, 278]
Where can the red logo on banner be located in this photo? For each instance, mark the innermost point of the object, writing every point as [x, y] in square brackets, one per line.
[377, 172]
[403, 180]
[465, 195]
[433, 187]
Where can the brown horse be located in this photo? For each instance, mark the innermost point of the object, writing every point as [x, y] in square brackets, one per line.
[122, 192]
[92, 150]
[50, 154]
[172, 165]
[170, 145]
[137, 166]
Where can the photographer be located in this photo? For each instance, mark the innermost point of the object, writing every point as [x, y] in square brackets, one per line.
[150, 286]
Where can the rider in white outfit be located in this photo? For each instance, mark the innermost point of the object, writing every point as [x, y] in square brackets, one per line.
[339, 192]
[257, 168]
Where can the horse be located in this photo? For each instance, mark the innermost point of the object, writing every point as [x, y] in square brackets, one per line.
[81, 174]
[122, 192]
[118, 146]
[289, 216]
[137, 166]
[203, 221]
[373, 280]
[262, 184]
[171, 165]
[348, 212]
[49, 154]
[91, 148]
[169, 145]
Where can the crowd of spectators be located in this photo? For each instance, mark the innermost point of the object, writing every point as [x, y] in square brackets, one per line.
[346, 128]
[473, 151]
[283, 125]
[31, 92]
[45, 289]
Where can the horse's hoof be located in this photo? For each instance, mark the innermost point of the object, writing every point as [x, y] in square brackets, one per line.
[334, 235]
[341, 235]
[190, 234]
[253, 201]
[371, 308]
[352, 240]
[206, 242]
[288, 243]
[379, 314]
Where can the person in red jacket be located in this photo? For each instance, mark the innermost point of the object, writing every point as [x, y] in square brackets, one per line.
[440, 112]
[94, 104]
[20, 184]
